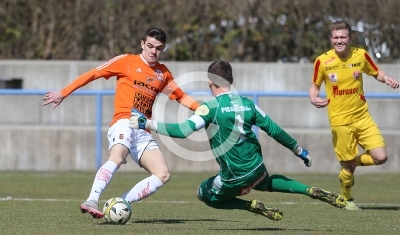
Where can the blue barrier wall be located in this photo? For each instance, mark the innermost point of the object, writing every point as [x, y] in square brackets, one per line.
[99, 94]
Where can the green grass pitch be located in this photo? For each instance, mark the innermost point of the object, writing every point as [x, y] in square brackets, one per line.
[48, 203]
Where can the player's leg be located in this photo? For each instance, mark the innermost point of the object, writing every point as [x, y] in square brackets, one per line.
[148, 156]
[332, 198]
[370, 138]
[152, 161]
[282, 184]
[346, 177]
[102, 179]
[119, 136]
[260, 208]
[279, 183]
[223, 195]
[256, 180]
[212, 190]
[344, 139]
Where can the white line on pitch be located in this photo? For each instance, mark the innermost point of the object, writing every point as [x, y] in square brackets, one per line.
[176, 202]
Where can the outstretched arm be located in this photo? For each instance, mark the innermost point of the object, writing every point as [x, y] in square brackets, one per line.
[187, 101]
[177, 130]
[280, 136]
[57, 97]
[53, 97]
[384, 78]
[175, 93]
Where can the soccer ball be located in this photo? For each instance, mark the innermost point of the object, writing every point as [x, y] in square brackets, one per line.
[117, 211]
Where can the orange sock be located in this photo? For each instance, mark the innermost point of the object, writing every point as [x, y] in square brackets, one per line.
[346, 182]
[365, 159]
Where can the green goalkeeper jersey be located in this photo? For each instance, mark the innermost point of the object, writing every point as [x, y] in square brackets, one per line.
[228, 120]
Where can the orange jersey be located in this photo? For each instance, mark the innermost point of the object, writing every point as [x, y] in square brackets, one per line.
[138, 85]
[343, 78]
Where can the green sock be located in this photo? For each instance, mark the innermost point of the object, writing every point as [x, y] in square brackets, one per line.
[282, 184]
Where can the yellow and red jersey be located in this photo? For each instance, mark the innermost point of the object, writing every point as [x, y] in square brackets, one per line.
[343, 78]
[137, 86]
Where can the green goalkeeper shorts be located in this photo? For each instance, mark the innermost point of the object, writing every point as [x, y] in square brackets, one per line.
[216, 190]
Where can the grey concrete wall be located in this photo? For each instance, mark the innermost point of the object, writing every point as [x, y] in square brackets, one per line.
[49, 75]
[61, 148]
[39, 138]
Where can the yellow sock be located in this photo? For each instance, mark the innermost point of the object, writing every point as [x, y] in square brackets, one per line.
[346, 182]
[365, 159]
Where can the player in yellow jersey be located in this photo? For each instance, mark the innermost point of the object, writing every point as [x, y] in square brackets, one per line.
[341, 69]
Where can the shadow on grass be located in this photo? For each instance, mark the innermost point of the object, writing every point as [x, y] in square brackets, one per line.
[172, 221]
[383, 208]
[274, 229]
[177, 221]
[252, 229]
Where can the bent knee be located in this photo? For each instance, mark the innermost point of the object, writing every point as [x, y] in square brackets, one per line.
[198, 194]
[349, 166]
[379, 160]
[163, 176]
[118, 154]
[198, 197]
[379, 155]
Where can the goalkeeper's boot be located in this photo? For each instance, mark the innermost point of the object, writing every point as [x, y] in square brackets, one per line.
[92, 208]
[271, 213]
[351, 206]
[332, 198]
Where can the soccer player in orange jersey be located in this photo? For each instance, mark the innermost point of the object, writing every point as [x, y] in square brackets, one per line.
[341, 69]
[139, 79]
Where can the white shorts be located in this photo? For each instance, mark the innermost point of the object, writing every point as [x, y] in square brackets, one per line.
[137, 141]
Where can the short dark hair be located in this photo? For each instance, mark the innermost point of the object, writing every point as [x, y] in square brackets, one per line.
[155, 33]
[220, 73]
[341, 24]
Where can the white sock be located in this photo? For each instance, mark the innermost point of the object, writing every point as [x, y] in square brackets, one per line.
[101, 180]
[143, 189]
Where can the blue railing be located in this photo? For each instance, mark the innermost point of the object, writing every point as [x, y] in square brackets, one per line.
[100, 93]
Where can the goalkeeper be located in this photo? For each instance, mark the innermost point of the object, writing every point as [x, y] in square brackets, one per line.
[228, 119]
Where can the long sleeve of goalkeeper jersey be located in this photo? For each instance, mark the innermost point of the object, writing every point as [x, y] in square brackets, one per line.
[272, 129]
[181, 130]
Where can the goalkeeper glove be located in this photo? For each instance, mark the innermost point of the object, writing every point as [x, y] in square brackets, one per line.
[303, 155]
[139, 121]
